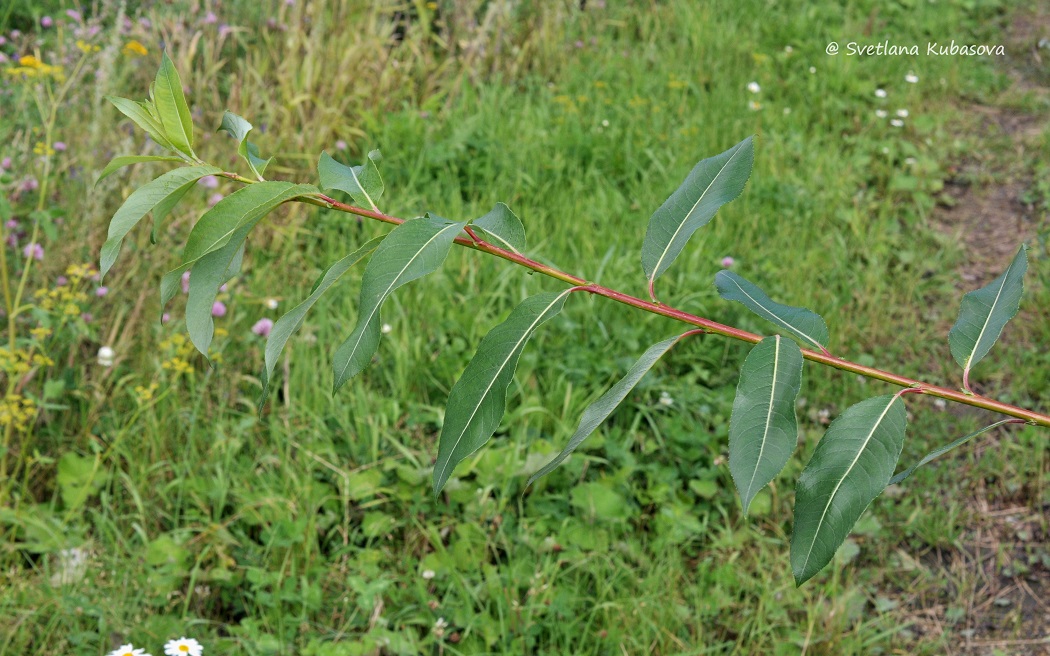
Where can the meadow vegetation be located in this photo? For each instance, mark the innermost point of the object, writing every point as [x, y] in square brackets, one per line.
[144, 498]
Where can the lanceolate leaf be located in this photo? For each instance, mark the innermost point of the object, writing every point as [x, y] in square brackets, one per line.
[600, 410]
[238, 128]
[985, 313]
[118, 163]
[166, 190]
[363, 182]
[412, 250]
[503, 228]
[763, 431]
[245, 206]
[293, 319]
[479, 398]
[937, 453]
[142, 116]
[206, 276]
[852, 464]
[171, 107]
[710, 185]
[808, 326]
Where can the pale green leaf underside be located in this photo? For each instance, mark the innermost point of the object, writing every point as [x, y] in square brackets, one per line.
[599, 411]
[288, 324]
[851, 465]
[937, 453]
[763, 430]
[162, 191]
[503, 228]
[711, 184]
[118, 163]
[479, 398]
[804, 324]
[412, 250]
[238, 128]
[363, 183]
[170, 103]
[985, 312]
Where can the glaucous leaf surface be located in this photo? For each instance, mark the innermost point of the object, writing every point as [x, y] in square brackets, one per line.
[363, 182]
[292, 320]
[164, 191]
[711, 184]
[763, 431]
[503, 229]
[411, 250]
[804, 324]
[985, 312]
[851, 465]
[478, 400]
[600, 410]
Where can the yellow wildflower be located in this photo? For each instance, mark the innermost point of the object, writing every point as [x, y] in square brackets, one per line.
[86, 47]
[40, 333]
[42, 148]
[676, 84]
[134, 49]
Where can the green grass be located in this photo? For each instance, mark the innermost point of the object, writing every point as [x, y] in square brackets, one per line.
[307, 530]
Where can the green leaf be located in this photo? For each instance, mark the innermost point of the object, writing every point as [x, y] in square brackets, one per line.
[984, 314]
[852, 464]
[710, 185]
[238, 128]
[937, 453]
[503, 228]
[763, 431]
[206, 277]
[600, 410]
[479, 398]
[171, 107]
[805, 324]
[412, 250]
[246, 205]
[142, 116]
[165, 191]
[363, 183]
[291, 322]
[118, 163]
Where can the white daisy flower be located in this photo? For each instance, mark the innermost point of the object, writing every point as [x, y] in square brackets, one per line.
[903, 113]
[386, 328]
[105, 356]
[897, 123]
[665, 399]
[880, 93]
[271, 303]
[183, 647]
[881, 113]
[911, 78]
[428, 574]
[812, 69]
[127, 650]
[789, 49]
[605, 123]
[753, 87]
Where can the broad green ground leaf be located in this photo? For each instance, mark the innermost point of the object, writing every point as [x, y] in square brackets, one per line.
[479, 398]
[171, 107]
[985, 312]
[503, 228]
[246, 205]
[763, 431]
[852, 464]
[238, 128]
[600, 410]
[805, 324]
[118, 163]
[169, 186]
[412, 250]
[142, 116]
[363, 183]
[937, 453]
[288, 324]
[710, 185]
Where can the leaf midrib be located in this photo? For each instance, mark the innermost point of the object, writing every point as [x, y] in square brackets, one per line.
[492, 381]
[383, 296]
[769, 414]
[991, 311]
[776, 319]
[842, 479]
[685, 219]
